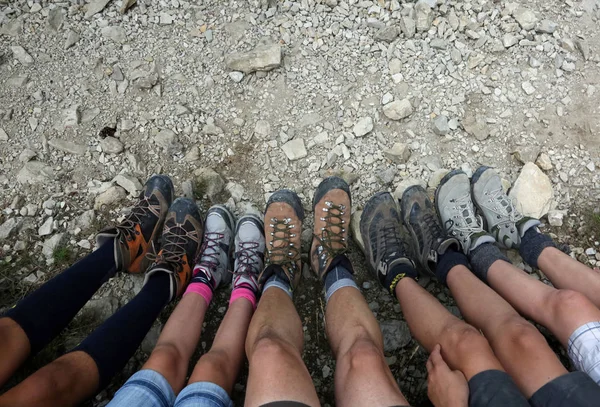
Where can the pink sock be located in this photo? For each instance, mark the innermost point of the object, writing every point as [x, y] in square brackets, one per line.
[202, 290]
[243, 293]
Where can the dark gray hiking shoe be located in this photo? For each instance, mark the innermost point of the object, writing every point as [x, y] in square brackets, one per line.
[385, 250]
[428, 239]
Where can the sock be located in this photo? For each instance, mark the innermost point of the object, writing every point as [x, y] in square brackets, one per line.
[243, 292]
[483, 257]
[532, 244]
[202, 284]
[338, 276]
[113, 343]
[278, 279]
[447, 261]
[396, 273]
[201, 289]
[50, 308]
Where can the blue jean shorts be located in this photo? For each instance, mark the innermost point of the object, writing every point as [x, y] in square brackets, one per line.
[148, 388]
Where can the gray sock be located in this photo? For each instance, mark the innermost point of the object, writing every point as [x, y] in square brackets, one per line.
[483, 257]
[279, 282]
[532, 244]
[338, 277]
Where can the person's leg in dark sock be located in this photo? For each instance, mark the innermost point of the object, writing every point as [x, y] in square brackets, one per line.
[91, 365]
[47, 311]
[38, 318]
[564, 272]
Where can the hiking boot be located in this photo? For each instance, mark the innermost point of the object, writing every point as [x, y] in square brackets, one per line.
[385, 250]
[457, 212]
[214, 262]
[428, 239]
[283, 226]
[249, 252]
[502, 219]
[137, 235]
[181, 239]
[332, 207]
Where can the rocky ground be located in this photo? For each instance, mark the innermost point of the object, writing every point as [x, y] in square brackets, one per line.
[235, 99]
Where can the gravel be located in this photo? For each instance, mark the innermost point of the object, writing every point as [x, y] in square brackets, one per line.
[265, 95]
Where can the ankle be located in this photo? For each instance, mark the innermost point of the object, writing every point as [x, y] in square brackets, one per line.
[533, 244]
[483, 257]
[338, 277]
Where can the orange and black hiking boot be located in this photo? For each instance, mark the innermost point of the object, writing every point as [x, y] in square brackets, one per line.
[181, 242]
[137, 235]
[283, 227]
[332, 206]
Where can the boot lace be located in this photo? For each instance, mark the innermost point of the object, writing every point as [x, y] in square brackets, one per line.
[210, 251]
[333, 243]
[142, 208]
[502, 206]
[173, 248]
[392, 242]
[284, 254]
[463, 221]
[249, 259]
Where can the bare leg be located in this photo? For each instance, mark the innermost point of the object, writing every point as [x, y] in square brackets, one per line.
[14, 348]
[222, 363]
[463, 347]
[520, 347]
[362, 377]
[274, 347]
[178, 340]
[561, 311]
[567, 273]
[64, 382]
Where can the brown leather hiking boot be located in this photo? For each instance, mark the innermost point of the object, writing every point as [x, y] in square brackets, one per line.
[136, 236]
[332, 206]
[181, 243]
[283, 227]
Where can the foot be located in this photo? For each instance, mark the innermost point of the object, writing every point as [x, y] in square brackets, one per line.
[502, 220]
[213, 265]
[385, 250]
[332, 206]
[181, 239]
[456, 209]
[137, 235]
[283, 226]
[249, 252]
[428, 239]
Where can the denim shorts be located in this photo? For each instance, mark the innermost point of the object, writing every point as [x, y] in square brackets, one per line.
[148, 388]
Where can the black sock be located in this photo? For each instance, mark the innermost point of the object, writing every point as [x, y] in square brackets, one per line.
[396, 273]
[50, 308]
[532, 245]
[483, 257]
[113, 343]
[448, 260]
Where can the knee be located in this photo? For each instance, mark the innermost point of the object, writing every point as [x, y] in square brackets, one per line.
[170, 356]
[517, 333]
[216, 361]
[566, 301]
[463, 339]
[269, 345]
[364, 355]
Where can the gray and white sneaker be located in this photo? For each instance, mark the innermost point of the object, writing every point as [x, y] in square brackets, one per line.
[249, 252]
[457, 212]
[213, 264]
[502, 219]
